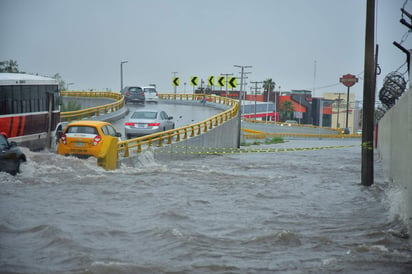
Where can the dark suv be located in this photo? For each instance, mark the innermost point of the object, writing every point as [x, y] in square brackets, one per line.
[10, 155]
[133, 94]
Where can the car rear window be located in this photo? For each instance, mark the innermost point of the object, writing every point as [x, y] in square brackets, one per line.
[135, 89]
[150, 90]
[82, 129]
[144, 115]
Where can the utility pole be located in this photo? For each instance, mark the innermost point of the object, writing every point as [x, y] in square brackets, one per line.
[256, 89]
[267, 101]
[338, 114]
[226, 76]
[242, 72]
[369, 85]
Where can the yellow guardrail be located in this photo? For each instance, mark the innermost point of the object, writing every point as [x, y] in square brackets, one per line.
[93, 111]
[338, 130]
[137, 145]
[255, 134]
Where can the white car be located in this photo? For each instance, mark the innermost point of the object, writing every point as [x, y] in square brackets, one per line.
[145, 121]
[151, 94]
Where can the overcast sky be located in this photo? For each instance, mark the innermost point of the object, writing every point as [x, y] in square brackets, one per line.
[300, 44]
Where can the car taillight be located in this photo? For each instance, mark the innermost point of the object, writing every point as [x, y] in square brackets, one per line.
[96, 140]
[153, 124]
[129, 124]
[156, 94]
[64, 139]
[127, 93]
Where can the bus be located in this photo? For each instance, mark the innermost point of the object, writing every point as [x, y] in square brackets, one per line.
[29, 108]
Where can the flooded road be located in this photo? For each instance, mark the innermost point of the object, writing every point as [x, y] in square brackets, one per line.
[288, 212]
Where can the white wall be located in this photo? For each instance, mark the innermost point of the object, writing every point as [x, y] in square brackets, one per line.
[395, 150]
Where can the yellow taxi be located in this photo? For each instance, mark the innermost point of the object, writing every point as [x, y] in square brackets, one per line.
[85, 138]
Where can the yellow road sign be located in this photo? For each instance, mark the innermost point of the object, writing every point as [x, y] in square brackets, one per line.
[221, 81]
[194, 81]
[232, 82]
[175, 81]
[211, 80]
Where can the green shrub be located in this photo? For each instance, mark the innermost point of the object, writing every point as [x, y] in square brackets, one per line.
[71, 106]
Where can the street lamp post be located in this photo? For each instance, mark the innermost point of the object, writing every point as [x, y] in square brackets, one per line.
[68, 84]
[121, 74]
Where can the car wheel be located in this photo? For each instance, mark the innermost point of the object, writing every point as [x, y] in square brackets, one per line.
[17, 167]
[128, 136]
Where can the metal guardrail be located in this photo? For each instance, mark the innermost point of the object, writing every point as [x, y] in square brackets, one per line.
[338, 130]
[255, 134]
[137, 145]
[93, 111]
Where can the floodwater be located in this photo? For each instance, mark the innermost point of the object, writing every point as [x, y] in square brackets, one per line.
[300, 211]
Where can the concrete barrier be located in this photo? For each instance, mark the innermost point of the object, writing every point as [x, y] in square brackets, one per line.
[223, 136]
[107, 157]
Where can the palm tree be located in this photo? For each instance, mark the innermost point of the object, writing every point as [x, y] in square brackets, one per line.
[269, 85]
[286, 110]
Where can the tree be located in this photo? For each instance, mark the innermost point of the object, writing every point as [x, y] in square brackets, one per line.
[62, 83]
[9, 66]
[286, 110]
[269, 85]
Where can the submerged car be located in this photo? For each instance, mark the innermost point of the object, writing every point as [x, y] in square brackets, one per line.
[144, 122]
[133, 94]
[11, 156]
[85, 138]
[150, 94]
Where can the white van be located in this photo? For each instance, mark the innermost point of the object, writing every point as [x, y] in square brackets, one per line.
[150, 94]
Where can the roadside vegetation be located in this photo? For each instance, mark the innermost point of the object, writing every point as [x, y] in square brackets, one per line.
[274, 140]
[71, 106]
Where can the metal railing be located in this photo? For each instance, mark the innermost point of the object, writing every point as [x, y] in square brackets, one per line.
[139, 144]
[93, 111]
[254, 134]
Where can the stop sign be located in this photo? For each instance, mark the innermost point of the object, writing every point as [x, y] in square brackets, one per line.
[348, 80]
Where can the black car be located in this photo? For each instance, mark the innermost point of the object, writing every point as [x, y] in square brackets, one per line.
[10, 156]
[133, 94]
